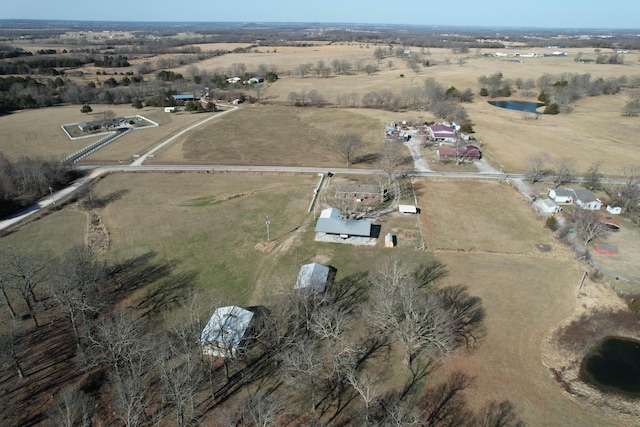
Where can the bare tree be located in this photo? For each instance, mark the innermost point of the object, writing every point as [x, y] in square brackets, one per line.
[263, 410]
[72, 408]
[593, 177]
[8, 351]
[495, 414]
[403, 305]
[535, 169]
[178, 369]
[627, 195]
[348, 146]
[302, 365]
[564, 171]
[5, 285]
[364, 385]
[588, 224]
[75, 285]
[26, 272]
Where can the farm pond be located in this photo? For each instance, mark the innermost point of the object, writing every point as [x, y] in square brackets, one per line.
[613, 365]
[526, 106]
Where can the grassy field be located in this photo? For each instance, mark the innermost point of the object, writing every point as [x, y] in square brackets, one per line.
[208, 231]
[528, 284]
[275, 135]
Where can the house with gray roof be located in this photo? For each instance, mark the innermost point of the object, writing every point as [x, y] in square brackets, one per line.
[331, 222]
[585, 199]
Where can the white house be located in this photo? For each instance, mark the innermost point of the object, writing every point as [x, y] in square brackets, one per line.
[587, 200]
[312, 278]
[224, 335]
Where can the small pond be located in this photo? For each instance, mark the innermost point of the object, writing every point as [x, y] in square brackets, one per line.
[614, 366]
[526, 106]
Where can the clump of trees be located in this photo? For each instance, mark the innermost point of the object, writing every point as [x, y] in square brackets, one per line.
[312, 357]
[24, 181]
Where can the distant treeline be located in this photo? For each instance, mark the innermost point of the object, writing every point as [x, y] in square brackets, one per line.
[27, 180]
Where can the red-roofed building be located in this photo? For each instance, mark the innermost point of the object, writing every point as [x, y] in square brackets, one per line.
[442, 133]
[462, 153]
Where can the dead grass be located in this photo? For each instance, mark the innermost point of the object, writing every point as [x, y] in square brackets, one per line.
[274, 135]
[495, 224]
[525, 291]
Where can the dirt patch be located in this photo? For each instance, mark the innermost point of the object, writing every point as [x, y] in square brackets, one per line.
[543, 247]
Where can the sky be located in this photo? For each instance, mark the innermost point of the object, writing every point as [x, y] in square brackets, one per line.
[568, 14]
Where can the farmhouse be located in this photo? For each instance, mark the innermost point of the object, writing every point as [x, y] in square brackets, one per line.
[465, 152]
[331, 222]
[313, 278]
[581, 197]
[587, 200]
[225, 333]
[100, 124]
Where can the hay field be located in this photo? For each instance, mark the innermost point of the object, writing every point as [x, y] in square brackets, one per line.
[526, 292]
[274, 135]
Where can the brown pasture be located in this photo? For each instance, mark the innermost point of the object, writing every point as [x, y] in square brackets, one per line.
[492, 247]
[275, 135]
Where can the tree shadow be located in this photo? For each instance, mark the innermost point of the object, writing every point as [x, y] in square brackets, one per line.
[367, 158]
[349, 292]
[167, 294]
[136, 273]
[91, 201]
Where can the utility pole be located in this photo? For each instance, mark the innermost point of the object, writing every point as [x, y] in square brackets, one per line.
[267, 222]
[53, 200]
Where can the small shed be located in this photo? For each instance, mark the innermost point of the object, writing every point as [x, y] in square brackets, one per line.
[605, 249]
[407, 209]
[614, 210]
[313, 278]
[225, 333]
[389, 241]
